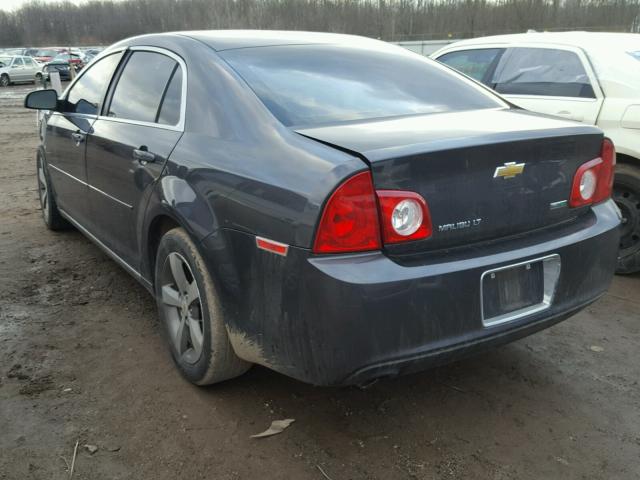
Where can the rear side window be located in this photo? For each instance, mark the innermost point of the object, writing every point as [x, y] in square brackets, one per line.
[17, 62]
[542, 71]
[142, 86]
[170, 110]
[86, 94]
[307, 85]
[476, 63]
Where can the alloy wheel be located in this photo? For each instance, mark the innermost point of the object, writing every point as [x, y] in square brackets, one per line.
[4, 81]
[182, 308]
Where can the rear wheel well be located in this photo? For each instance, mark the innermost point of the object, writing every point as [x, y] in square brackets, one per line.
[628, 159]
[159, 226]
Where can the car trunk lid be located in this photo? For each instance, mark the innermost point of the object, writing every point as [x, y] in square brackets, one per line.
[485, 174]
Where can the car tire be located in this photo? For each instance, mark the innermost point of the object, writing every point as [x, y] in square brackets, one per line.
[50, 213]
[38, 78]
[626, 193]
[5, 81]
[191, 313]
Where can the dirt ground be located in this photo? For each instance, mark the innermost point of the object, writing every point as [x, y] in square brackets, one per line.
[81, 360]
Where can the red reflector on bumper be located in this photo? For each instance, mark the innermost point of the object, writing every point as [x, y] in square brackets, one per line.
[272, 246]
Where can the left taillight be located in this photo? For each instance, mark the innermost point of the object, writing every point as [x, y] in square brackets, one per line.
[404, 216]
[357, 218]
[349, 222]
[593, 181]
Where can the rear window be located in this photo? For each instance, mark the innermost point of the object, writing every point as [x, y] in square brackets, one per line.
[314, 84]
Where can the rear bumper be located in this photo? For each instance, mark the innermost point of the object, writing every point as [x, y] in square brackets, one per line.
[348, 319]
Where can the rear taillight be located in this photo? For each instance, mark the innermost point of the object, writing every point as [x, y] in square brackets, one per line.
[593, 180]
[404, 216]
[351, 220]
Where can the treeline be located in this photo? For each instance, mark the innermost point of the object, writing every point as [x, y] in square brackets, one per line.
[104, 21]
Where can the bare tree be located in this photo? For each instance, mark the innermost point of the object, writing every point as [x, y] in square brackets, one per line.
[105, 21]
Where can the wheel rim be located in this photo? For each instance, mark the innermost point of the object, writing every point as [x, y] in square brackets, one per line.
[4, 81]
[182, 308]
[43, 191]
[628, 201]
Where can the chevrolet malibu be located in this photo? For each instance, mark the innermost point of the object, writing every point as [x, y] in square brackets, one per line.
[331, 207]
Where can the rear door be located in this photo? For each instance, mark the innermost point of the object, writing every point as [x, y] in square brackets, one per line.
[556, 80]
[141, 122]
[66, 132]
[31, 68]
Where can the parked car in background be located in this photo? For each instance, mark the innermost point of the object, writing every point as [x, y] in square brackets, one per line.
[332, 207]
[45, 55]
[71, 58]
[63, 69]
[592, 78]
[19, 69]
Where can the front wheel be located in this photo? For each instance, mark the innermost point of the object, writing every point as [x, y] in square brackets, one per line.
[4, 80]
[191, 314]
[626, 193]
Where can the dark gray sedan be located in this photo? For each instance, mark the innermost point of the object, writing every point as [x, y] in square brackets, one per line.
[332, 207]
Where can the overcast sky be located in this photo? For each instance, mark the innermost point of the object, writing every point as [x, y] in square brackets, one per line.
[13, 4]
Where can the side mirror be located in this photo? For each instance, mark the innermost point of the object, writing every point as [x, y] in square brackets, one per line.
[42, 100]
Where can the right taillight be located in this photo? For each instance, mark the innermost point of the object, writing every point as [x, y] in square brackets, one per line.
[593, 181]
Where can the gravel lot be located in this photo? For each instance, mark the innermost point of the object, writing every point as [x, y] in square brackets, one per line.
[81, 359]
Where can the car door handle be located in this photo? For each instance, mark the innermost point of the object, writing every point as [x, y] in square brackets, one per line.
[143, 155]
[78, 137]
[570, 116]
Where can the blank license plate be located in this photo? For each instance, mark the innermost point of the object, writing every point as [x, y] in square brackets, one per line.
[511, 289]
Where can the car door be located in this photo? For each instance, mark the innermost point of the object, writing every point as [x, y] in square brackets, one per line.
[141, 122]
[65, 137]
[17, 73]
[558, 81]
[30, 68]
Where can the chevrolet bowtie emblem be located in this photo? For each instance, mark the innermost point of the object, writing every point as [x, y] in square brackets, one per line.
[509, 170]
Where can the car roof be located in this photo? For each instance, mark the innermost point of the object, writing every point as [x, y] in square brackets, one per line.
[586, 40]
[231, 39]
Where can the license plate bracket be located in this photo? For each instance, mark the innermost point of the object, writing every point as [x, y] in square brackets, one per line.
[514, 291]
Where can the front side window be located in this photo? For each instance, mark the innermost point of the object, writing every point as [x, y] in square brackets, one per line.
[542, 71]
[29, 62]
[307, 85]
[141, 86]
[86, 94]
[476, 63]
[635, 55]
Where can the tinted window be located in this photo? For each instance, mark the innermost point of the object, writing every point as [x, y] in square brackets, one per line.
[141, 87]
[170, 110]
[475, 63]
[542, 71]
[86, 94]
[312, 84]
